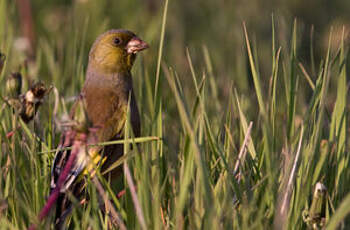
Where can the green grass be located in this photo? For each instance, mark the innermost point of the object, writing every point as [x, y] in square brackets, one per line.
[237, 147]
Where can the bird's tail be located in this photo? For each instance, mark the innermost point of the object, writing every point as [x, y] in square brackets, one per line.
[63, 208]
[64, 205]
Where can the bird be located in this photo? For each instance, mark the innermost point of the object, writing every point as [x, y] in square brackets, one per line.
[106, 96]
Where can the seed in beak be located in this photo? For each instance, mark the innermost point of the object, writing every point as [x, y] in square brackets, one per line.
[136, 45]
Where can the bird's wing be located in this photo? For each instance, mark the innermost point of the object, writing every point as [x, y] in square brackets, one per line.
[62, 155]
[87, 157]
[81, 162]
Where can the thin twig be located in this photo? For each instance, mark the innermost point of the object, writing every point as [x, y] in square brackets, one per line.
[307, 76]
[114, 214]
[292, 173]
[137, 205]
[243, 149]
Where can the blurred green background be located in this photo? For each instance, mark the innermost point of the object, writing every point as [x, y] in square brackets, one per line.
[62, 32]
[190, 24]
[215, 24]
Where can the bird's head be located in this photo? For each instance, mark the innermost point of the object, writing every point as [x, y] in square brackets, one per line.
[115, 51]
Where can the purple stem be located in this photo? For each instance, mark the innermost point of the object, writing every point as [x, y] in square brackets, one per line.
[54, 195]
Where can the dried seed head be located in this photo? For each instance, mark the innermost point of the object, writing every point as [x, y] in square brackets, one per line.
[320, 189]
[31, 101]
[14, 85]
[39, 90]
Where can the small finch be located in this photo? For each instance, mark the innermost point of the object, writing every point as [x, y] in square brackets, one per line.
[104, 102]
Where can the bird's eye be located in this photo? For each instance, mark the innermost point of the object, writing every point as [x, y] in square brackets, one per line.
[117, 41]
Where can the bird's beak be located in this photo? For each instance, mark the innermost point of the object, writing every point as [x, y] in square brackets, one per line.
[136, 45]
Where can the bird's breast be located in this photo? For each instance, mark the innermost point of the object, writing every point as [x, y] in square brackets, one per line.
[107, 105]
